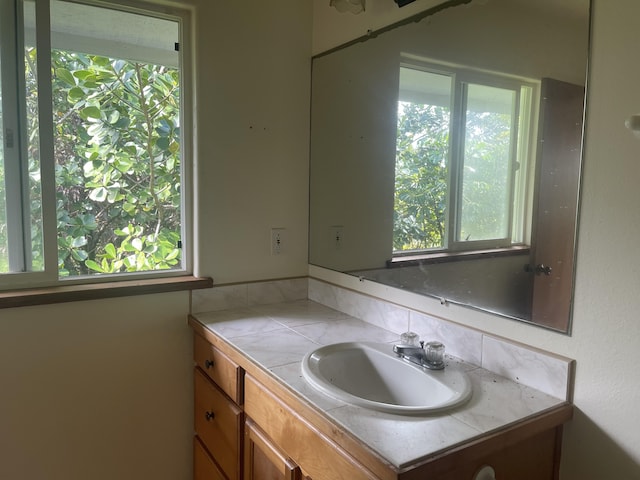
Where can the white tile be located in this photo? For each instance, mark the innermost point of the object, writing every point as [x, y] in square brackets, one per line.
[400, 439]
[462, 342]
[238, 323]
[345, 330]
[496, 401]
[548, 373]
[219, 298]
[300, 312]
[277, 291]
[275, 348]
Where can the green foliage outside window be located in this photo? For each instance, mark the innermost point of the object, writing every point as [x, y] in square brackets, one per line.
[421, 177]
[117, 157]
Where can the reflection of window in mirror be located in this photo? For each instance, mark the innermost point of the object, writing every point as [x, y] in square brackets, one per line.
[464, 155]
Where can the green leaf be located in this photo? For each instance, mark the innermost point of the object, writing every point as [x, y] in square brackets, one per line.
[114, 194]
[75, 94]
[90, 112]
[93, 265]
[79, 255]
[137, 244]
[163, 143]
[79, 242]
[65, 75]
[83, 74]
[99, 194]
[110, 250]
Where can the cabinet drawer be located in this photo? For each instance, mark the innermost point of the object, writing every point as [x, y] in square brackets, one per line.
[204, 468]
[219, 368]
[316, 454]
[218, 423]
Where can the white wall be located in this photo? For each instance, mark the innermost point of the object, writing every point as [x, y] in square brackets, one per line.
[602, 441]
[97, 390]
[254, 74]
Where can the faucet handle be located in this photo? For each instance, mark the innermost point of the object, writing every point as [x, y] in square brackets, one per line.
[434, 355]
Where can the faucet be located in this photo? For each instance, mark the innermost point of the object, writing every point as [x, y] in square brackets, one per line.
[431, 357]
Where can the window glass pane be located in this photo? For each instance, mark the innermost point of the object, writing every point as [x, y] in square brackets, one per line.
[34, 257]
[422, 152]
[4, 248]
[486, 188]
[116, 93]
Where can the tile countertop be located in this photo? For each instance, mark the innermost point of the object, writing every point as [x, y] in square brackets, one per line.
[276, 337]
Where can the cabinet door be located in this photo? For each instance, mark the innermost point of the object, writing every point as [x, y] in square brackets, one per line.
[204, 468]
[318, 455]
[263, 460]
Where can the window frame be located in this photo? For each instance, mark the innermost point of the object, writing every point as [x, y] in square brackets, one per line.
[522, 157]
[50, 276]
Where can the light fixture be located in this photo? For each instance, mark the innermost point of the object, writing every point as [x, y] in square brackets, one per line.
[402, 3]
[353, 6]
[633, 124]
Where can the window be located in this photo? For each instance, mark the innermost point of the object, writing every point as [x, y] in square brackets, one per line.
[462, 160]
[93, 161]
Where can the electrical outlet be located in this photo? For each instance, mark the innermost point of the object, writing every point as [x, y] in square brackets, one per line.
[278, 241]
[336, 237]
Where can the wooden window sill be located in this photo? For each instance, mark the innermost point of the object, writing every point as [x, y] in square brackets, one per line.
[126, 288]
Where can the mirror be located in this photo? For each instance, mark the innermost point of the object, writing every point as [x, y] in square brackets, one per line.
[446, 155]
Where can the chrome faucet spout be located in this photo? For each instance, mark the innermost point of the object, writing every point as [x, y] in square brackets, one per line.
[416, 355]
[410, 352]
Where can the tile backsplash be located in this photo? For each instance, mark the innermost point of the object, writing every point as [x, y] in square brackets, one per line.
[247, 294]
[544, 371]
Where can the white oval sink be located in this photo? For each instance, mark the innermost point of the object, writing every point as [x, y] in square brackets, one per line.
[370, 375]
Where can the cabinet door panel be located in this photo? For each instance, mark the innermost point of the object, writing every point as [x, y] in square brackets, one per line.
[263, 460]
[319, 456]
[218, 423]
[204, 468]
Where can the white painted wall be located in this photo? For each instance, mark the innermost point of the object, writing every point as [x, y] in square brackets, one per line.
[97, 390]
[254, 77]
[602, 441]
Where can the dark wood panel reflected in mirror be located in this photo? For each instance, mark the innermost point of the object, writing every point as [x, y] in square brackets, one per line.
[446, 154]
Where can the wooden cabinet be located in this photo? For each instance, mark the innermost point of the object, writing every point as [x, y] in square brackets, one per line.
[251, 427]
[265, 461]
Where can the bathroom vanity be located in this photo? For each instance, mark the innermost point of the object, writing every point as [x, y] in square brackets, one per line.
[257, 418]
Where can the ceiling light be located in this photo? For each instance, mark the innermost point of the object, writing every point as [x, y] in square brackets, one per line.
[353, 6]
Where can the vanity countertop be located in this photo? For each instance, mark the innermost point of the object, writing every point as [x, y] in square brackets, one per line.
[276, 337]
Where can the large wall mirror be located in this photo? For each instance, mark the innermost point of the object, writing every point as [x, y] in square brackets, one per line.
[446, 154]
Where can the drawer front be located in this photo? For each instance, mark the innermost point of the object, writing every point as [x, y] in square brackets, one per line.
[219, 368]
[316, 454]
[204, 468]
[218, 423]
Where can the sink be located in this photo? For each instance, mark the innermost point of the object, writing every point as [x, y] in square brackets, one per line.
[370, 375]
